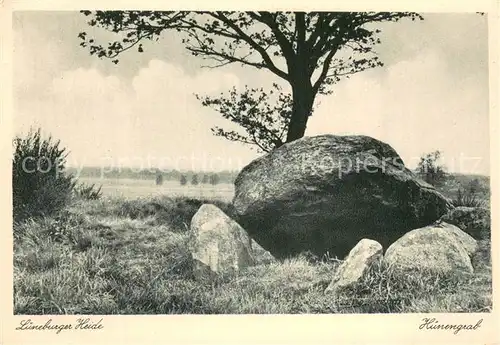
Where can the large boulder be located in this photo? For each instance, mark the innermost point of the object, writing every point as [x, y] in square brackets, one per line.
[218, 244]
[357, 264]
[440, 248]
[326, 193]
[476, 221]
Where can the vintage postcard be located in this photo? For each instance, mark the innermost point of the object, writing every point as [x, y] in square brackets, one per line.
[262, 173]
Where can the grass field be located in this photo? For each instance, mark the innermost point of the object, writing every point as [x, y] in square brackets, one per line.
[128, 254]
[138, 188]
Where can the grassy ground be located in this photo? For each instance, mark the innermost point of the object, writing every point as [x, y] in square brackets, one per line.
[138, 188]
[118, 256]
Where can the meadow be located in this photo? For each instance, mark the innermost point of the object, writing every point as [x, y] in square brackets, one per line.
[130, 188]
[127, 253]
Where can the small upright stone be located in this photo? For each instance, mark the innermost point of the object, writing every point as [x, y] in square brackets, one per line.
[218, 244]
[356, 265]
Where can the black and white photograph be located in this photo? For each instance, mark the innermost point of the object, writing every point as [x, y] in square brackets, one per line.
[251, 162]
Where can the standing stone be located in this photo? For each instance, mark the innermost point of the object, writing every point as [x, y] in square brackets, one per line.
[326, 193]
[440, 248]
[219, 245]
[357, 264]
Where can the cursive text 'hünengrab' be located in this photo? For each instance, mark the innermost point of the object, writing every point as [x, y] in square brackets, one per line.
[433, 324]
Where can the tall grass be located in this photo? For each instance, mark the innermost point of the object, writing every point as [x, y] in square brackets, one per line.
[120, 257]
[468, 198]
[88, 191]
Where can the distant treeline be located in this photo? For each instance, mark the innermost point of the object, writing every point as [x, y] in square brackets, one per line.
[151, 174]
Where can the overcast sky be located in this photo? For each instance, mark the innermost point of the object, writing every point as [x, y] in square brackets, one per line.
[432, 94]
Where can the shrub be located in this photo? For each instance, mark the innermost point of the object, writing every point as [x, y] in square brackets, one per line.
[476, 221]
[474, 186]
[183, 180]
[159, 179]
[430, 171]
[40, 185]
[214, 179]
[468, 197]
[88, 192]
[194, 180]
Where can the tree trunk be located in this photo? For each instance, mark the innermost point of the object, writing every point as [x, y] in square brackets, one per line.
[303, 100]
[302, 89]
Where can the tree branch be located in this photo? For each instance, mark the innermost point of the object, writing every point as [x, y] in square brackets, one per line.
[230, 58]
[284, 43]
[269, 64]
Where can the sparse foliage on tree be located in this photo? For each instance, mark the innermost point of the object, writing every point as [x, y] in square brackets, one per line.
[430, 170]
[263, 115]
[310, 51]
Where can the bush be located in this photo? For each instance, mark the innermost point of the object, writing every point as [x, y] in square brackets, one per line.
[468, 198]
[40, 185]
[183, 180]
[88, 192]
[159, 179]
[430, 171]
[214, 179]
